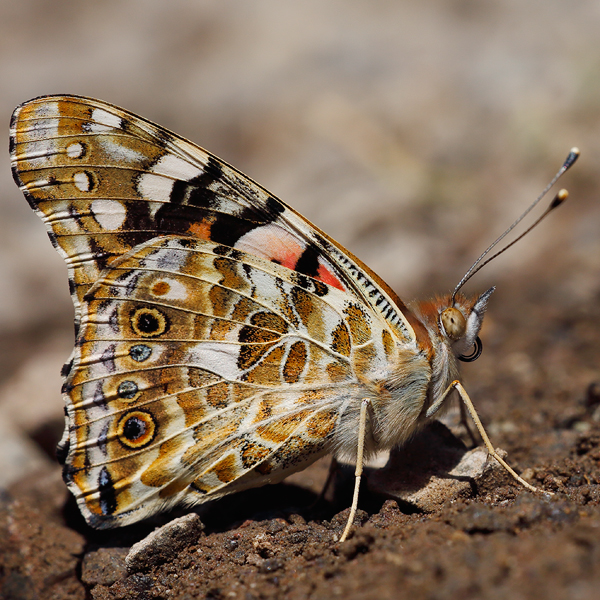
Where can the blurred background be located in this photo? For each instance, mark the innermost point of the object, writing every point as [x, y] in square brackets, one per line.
[412, 132]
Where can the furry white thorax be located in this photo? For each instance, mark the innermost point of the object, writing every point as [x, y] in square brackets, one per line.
[397, 399]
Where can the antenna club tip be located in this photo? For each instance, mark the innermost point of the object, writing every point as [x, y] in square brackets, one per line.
[560, 197]
[573, 156]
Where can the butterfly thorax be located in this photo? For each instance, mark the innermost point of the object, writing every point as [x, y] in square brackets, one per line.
[412, 377]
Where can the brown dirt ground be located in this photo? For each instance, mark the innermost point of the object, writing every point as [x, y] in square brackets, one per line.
[499, 542]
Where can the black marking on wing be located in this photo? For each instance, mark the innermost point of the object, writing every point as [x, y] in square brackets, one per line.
[108, 498]
[138, 226]
[274, 207]
[101, 257]
[308, 263]
[62, 451]
[228, 229]
[195, 191]
[233, 253]
[66, 368]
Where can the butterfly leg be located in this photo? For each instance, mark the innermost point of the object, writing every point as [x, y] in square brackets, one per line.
[334, 467]
[486, 440]
[465, 423]
[362, 426]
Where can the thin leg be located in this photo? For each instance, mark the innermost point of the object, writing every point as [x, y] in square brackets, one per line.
[362, 426]
[465, 423]
[334, 466]
[486, 440]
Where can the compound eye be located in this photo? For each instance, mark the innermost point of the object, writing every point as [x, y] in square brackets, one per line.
[454, 323]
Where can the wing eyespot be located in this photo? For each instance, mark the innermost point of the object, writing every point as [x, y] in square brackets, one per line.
[140, 352]
[149, 322]
[136, 429]
[128, 390]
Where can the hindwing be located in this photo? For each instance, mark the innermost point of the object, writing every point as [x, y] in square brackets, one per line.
[201, 370]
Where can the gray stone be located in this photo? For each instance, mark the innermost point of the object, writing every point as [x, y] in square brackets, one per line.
[164, 543]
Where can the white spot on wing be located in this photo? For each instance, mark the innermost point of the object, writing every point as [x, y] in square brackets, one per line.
[47, 110]
[216, 357]
[82, 181]
[74, 150]
[170, 259]
[120, 153]
[173, 166]
[103, 121]
[155, 187]
[109, 213]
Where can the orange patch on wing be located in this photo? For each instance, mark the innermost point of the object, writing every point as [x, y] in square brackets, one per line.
[322, 424]
[192, 406]
[326, 276]
[173, 488]
[358, 322]
[312, 397]
[160, 288]
[338, 372]
[281, 429]
[295, 449]
[201, 229]
[217, 395]
[295, 362]
[226, 469]
[161, 471]
[253, 453]
[268, 369]
[340, 339]
[388, 343]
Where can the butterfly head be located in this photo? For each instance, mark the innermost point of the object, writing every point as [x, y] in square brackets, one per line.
[454, 323]
[459, 325]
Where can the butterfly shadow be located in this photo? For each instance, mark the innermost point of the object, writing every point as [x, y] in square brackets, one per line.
[434, 467]
[269, 502]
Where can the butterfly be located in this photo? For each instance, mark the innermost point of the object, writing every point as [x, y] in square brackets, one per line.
[222, 340]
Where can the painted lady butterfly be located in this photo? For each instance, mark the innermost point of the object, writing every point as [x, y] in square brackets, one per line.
[222, 340]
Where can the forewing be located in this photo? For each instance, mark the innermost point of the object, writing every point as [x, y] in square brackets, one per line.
[105, 180]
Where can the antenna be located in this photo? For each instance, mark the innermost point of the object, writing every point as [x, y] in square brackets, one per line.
[560, 197]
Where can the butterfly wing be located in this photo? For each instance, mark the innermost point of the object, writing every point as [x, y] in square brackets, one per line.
[202, 370]
[222, 337]
[105, 180]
